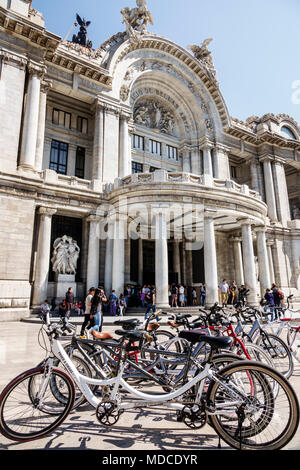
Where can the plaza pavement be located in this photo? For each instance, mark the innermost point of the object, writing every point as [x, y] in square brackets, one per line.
[153, 429]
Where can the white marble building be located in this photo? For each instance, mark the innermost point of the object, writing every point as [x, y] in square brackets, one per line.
[130, 150]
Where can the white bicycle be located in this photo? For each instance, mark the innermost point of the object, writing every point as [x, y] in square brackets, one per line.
[238, 400]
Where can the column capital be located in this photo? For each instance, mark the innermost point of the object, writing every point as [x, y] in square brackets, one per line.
[222, 148]
[13, 59]
[270, 242]
[46, 85]
[47, 211]
[260, 229]
[246, 221]
[35, 68]
[159, 209]
[235, 239]
[210, 213]
[94, 218]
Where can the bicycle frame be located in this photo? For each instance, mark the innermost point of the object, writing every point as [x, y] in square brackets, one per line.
[143, 399]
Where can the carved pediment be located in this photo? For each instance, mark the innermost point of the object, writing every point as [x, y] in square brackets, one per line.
[155, 116]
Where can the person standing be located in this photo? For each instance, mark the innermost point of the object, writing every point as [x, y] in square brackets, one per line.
[88, 318]
[69, 301]
[181, 295]
[122, 305]
[194, 296]
[113, 299]
[45, 312]
[96, 308]
[202, 295]
[174, 291]
[151, 301]
[224, 289]
[269, 298]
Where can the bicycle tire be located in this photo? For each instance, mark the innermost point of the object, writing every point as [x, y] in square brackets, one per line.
[277, 418]
[15, 401]
[280, 353]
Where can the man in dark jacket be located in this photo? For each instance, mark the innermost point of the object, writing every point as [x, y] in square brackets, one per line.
[69, 301]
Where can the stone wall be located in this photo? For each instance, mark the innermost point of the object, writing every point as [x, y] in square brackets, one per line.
[15, 256]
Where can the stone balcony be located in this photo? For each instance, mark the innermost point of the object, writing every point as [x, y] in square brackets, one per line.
[162, 176]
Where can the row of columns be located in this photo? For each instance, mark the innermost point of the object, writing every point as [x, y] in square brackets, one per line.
[115, 256]
[215, 161]
[273, 186]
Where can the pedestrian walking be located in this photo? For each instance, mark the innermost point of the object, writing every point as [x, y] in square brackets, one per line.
[181, 295]
[122, 305]
[69, 301]
[88, 318]
[224, 290]
[194, 296]
[151, 302]
[96, 309]
[113, 299]
[202, 295]
[269, 303]
[45, 311]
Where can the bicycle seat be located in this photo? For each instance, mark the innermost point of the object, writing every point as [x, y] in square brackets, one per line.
[102, 336]
[132, 335]
[198, 336]
[130, 324]
[153, 327]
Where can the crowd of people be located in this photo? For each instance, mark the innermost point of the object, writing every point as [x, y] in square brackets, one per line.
[97, 304]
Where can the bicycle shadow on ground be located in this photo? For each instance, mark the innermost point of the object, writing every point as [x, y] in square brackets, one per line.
[83, 433]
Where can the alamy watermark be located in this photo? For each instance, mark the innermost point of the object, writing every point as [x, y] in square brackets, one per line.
[152, 221]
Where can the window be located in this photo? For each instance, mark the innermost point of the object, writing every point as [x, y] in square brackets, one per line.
[61, 118]
[59, 157]
[137, 167]
[82, 125]
[138, 142]
[155, 147]
[233, 172]
[80, 162]
[287, 133]
[172, 152]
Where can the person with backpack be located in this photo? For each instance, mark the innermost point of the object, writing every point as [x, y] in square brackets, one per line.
[96, 309]
[88, 318]
[278, 298]
[269, 303]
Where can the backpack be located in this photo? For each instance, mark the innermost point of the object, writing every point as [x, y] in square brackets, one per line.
[280, 294]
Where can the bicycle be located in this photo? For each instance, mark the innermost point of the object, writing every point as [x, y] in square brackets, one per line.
[239, 401]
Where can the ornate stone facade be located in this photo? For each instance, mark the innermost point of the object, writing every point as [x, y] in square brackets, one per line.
[129, 149]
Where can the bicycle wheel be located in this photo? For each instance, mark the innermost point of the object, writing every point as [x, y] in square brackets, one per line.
[279, 352]
[259, 421]
[293, 341]
[28, 416]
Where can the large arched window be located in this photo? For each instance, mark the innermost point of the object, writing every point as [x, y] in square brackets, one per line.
[287, 133]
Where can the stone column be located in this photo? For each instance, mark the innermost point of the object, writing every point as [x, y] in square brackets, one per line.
[221, 162]
[281, 191]
[186, 163]
[45, 87]
[31, 117]
[269, 190]
[141, 263]
[118, 274]
[207, 164]
[238, 261]
[176, 259]
[210, 259]
[196, 164]
[109, 259]
[249, 265]
[98, 146]
[270, 243]
[254, 176]
[124, 149]
[161, 258]
[93, 252]
[263, 261]
[43, 256]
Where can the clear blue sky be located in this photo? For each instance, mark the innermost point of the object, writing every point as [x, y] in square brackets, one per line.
[256, 47]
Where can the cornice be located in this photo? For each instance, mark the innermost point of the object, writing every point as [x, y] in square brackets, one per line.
[28, 30]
